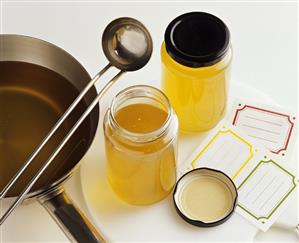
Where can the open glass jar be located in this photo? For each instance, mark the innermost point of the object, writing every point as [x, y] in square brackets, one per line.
[141, 130]
[196, 56]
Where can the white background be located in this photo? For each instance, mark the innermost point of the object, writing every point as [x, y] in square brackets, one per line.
[264, 40]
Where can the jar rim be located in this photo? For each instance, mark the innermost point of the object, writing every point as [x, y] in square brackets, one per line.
[147, 136]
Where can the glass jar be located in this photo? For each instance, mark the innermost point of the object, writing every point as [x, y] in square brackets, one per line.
[141, 159]
[196, 57]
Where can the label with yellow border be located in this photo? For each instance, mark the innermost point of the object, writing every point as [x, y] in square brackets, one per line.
[224, 149]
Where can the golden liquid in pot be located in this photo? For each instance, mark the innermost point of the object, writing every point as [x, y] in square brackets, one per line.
[32, 99]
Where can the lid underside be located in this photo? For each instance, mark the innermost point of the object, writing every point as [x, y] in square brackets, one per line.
[205, 197]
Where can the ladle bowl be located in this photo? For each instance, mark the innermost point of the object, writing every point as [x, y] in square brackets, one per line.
[127, 44]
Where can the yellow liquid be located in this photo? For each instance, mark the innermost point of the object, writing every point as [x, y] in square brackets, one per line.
[198, 95]
[140, 173]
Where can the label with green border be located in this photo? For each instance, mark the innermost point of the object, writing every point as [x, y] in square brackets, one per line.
[280, 201]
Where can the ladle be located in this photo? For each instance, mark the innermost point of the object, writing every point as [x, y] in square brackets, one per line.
[128, 46]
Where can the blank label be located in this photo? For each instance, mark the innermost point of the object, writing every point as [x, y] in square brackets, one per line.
[271, 129]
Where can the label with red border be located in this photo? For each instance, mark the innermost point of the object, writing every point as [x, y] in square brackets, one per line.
[271, 127]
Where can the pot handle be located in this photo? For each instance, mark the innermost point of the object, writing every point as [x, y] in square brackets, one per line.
[70, 219]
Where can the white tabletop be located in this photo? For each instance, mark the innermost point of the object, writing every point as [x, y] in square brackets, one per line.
[264, 44]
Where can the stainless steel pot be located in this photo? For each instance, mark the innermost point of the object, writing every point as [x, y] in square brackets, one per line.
[16, 48]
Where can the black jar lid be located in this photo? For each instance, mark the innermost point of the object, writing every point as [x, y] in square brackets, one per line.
[197, 39]
[212, 176]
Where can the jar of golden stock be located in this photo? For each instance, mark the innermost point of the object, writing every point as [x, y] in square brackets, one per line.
[141, 130]
[196, 57]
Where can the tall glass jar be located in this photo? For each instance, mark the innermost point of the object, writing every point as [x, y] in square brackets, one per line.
[141, 165]
[196, 57]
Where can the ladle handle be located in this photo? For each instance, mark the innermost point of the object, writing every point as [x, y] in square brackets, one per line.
[70, 219]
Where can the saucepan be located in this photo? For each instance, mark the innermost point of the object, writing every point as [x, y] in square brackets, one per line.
[38, 81]
[49, 115]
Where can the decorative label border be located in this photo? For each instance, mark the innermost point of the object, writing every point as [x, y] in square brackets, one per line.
[287, 140]
[279, 202]
[214, 139]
